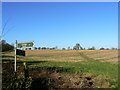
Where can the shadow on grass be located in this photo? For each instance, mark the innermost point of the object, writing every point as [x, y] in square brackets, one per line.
[7, 60]
[6, 56]
[35, 62]
[20, 61]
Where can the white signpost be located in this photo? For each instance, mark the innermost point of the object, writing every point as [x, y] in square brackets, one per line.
[21, 45]
[15, 54]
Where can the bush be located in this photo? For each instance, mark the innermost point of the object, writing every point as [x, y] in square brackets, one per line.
[44, 48]
[17, 83]
[102, 48]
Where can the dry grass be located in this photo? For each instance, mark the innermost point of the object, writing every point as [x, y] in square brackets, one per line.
[54, 55]
[103, 55]
[72, 55]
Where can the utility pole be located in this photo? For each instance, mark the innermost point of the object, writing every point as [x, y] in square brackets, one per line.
[15, 55]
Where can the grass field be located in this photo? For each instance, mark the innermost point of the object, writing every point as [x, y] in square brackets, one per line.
[100, 65]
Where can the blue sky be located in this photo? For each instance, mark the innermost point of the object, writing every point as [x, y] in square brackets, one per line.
[62, 24]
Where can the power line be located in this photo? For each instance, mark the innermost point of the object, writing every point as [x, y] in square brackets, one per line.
[7, 31]
[4, 26]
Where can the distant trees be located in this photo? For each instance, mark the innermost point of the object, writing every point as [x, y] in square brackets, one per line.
[102, 48]
[29, 48]
[113, 48]
[92, 48]
[108, 48]
[51, 48]
[76, 47]
[39, 48]
[5, 46]
[43, 48]
[35, 48]
[63, 48]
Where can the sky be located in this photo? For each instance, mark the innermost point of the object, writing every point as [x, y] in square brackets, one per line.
[61, 24]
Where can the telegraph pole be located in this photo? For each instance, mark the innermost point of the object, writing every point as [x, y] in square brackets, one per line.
[15, 55]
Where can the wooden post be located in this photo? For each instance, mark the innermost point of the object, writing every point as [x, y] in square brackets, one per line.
[26, 74]
[15, 55]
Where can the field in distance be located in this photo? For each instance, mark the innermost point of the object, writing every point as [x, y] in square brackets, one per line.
[100, 65]
[73, 55]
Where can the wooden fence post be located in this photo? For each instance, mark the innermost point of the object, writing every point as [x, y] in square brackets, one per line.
[26, 74]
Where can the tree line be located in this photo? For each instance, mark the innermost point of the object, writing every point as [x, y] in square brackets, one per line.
[8, 47]
[76, 47]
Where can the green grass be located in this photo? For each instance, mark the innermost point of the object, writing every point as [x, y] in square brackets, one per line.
[97, 68]
[89, 65]
[104, 69]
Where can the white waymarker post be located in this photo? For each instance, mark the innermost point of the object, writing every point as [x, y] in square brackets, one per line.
[15, 54]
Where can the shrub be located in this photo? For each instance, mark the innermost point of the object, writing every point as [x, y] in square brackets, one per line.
[102, 48]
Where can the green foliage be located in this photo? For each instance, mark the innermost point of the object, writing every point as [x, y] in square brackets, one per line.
[17, 82]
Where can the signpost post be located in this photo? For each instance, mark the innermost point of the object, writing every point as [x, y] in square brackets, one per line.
[15, 54]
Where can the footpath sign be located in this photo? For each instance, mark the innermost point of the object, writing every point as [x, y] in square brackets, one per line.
[21, 45]
[20, 52]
